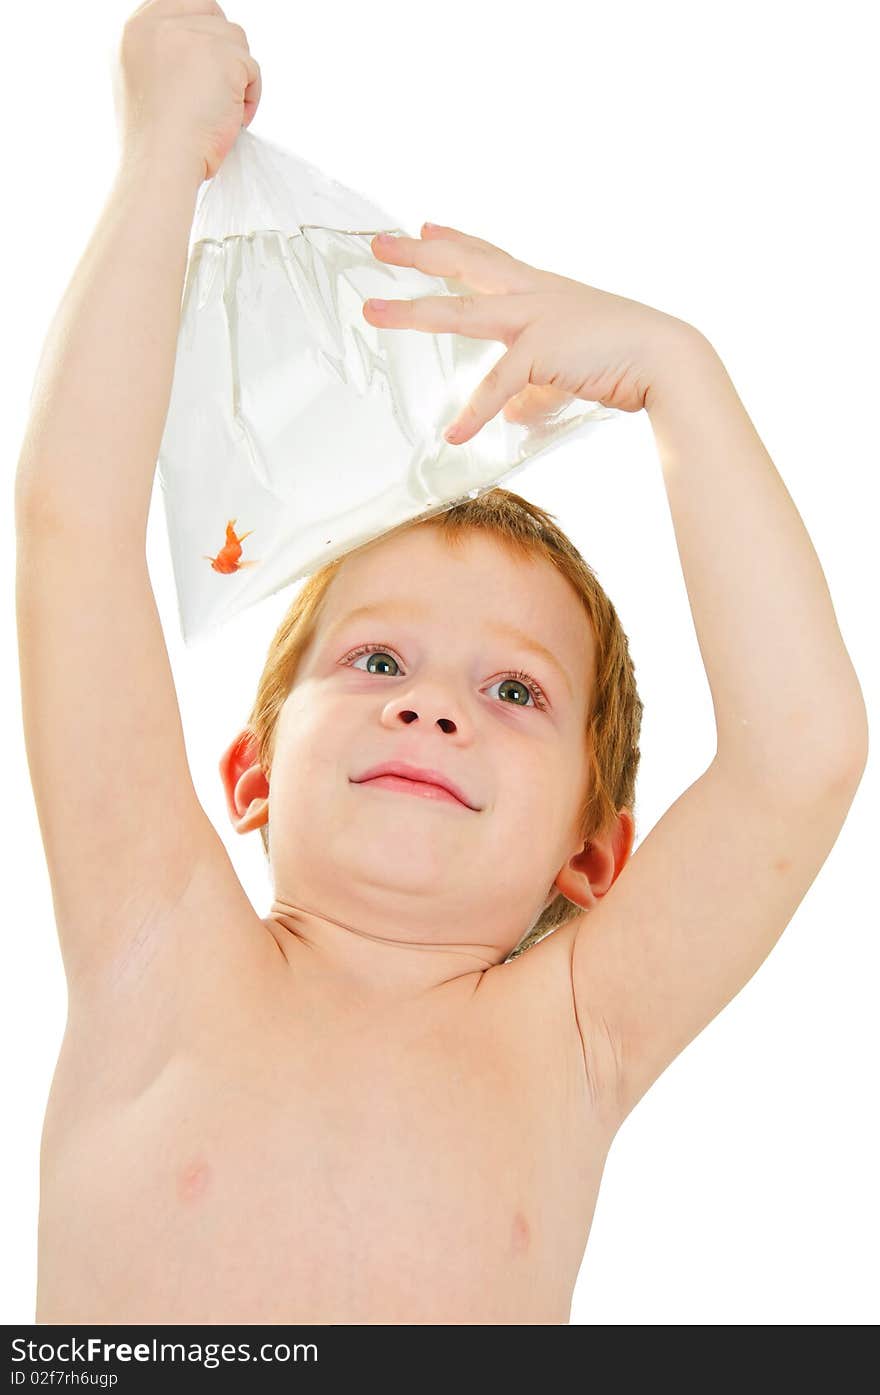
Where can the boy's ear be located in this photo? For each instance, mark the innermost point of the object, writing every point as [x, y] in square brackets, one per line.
[592, 871]
[245, 784]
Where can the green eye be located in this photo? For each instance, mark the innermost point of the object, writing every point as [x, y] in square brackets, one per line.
[518, 683]
[383, 659]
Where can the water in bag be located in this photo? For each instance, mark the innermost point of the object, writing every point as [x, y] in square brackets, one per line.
[296, 431]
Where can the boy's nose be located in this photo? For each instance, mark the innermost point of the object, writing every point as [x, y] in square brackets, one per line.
[445, 723]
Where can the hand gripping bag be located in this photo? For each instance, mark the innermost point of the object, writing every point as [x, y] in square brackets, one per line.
[296, 431]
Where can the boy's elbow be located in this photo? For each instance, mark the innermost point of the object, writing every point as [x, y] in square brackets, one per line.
[838, 752]
[854, 766]
[854, 745]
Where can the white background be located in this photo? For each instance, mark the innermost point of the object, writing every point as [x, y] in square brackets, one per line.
[717, 162]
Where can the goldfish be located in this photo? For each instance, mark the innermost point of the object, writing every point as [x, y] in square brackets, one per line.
[227, 559]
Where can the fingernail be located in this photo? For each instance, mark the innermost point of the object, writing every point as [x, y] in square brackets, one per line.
[430, 225]
[385, 238]
[378, 304]
[452, 433]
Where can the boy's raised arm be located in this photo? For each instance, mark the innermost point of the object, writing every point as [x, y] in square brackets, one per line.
[103, 384]
[121, 824]
[710, 890]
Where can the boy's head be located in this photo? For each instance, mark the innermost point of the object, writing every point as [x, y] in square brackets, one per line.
[549, 757]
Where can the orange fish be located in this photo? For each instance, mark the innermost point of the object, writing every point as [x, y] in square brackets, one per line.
[227, 559]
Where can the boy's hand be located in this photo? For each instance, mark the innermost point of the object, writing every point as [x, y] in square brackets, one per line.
[185, 83]
[564, 339]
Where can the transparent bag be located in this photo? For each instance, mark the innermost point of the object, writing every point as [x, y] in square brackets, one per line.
[296, 431]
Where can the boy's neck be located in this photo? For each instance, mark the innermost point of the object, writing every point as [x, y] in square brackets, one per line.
[367, 964]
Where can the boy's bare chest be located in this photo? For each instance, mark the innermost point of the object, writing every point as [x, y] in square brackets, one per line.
[285, 1163]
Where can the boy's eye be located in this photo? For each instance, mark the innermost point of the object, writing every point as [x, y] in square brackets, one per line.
[526, 688]
[383, 659]
[379, 660]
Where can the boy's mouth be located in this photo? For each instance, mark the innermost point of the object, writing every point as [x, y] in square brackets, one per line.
[411, 779]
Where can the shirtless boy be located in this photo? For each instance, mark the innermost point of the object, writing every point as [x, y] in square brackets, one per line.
[360, 1108]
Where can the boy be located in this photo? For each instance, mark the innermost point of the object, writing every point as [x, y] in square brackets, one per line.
[361, 1109]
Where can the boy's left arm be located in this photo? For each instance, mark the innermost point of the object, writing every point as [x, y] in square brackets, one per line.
[711, 888]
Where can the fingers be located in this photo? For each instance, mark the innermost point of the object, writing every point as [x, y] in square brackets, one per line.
[509, 376]
[215, 23]
[179, 7]
[254, 89]
[455, 255]
[444, 230]
[498, 317]
[502, 311]
[438, 258]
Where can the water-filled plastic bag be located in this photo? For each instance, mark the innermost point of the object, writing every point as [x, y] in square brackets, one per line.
[296, 431]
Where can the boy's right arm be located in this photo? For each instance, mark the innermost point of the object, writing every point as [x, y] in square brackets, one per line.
[122, 827]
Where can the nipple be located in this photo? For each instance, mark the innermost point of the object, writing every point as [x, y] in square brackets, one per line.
[520, 1233]
[193, 1180]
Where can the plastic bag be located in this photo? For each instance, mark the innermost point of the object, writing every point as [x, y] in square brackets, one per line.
[296, 431]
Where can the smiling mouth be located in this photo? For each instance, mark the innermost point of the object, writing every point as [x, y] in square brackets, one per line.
[413, 787]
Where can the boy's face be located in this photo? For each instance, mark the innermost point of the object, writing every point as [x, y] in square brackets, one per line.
[433, 687]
